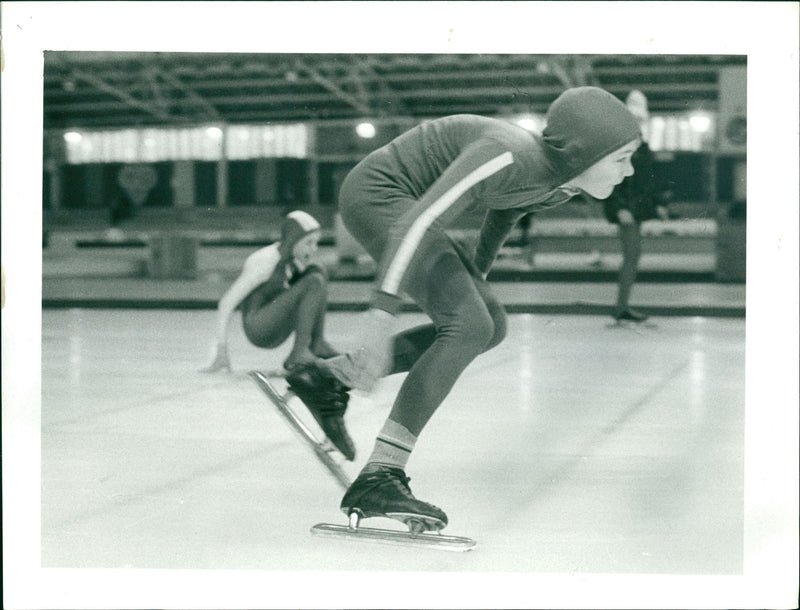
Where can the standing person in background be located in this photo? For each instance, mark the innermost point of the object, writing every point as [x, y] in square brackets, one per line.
[280, 291]
[633, 201]
[527, 239]
[398, 201]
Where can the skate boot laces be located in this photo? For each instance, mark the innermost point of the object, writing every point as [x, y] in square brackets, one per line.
[386, 482]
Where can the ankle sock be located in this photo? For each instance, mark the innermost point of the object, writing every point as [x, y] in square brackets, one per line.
[393, 446]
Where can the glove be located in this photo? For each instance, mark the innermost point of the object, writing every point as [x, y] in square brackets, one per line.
[370, 359]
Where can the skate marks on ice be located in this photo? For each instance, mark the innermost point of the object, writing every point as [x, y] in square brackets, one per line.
[152, 366]
[322, 447]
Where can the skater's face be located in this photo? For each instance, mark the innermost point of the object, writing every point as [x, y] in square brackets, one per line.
[601, 178]
[305, 248]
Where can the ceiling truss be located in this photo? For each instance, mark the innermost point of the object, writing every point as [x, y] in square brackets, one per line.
[129, 89]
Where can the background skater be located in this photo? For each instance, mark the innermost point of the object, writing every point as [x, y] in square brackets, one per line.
[632, 202]
[397, 203]
[280, 291]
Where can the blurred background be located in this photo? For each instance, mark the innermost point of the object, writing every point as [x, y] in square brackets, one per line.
[174, 166]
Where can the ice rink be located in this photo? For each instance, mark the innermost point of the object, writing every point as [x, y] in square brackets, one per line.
[572, 447]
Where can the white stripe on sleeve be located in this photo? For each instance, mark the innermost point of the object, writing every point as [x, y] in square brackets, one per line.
[410, 243]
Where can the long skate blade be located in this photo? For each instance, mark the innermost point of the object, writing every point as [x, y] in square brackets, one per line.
[438, 542]
[322, 448]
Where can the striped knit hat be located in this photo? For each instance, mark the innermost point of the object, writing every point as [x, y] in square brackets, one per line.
[295, 227]
[584, 125]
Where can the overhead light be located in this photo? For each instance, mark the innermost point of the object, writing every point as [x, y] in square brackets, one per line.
[529, 122]
[365, 130]
[72, 137]
[214, 132]
[700, 122]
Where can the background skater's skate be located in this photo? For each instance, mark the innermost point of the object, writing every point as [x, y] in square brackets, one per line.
[631, 319]
[327, 405]
[383, 491]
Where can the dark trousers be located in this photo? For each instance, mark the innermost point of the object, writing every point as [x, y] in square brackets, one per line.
[631, 240]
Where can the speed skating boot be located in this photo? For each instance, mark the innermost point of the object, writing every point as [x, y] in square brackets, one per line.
[326, 397]
[383, 491]
[630, 315]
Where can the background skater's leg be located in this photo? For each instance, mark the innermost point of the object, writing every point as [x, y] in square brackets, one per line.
[631, 241]
[309, 339]
[299, 309]
[319, 346]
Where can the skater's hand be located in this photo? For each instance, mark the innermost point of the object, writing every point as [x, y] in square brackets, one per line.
[625, 217]
[220, 362]
[370, 358]
[374, 354]
[662, 212]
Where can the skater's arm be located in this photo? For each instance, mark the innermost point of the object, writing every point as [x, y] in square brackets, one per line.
[444, 201]
[497, 224]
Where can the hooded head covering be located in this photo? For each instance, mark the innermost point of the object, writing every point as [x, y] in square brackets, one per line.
[584, 125]
[295, 227]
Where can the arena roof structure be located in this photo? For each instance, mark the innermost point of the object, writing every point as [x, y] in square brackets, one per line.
[119, 89]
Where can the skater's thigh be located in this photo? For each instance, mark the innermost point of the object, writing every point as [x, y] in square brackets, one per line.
[441, 284]
[271, 322]
[369, 208]
[493, 306]
[442, 279]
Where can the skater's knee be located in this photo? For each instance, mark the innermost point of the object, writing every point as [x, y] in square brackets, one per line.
[495, 325]
[314, 278]
[317, 272]
[475, 331]
[500, 327]
[485, 325]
